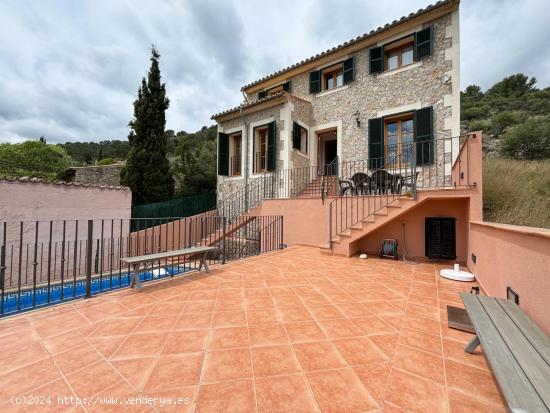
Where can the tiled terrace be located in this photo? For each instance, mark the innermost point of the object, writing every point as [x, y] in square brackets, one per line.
[292, 331]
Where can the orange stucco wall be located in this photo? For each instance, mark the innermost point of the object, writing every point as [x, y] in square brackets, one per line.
[414, 221]
[519, 257]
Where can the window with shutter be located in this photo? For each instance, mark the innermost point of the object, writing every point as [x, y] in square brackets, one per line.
[376, 143]
[376, 59]
[349, 70]
[262, 94]
[271, 147]
[299, 137]
[423, 136]
[223, 154]
[315, 81]
[440, 238]
[286, 86]
[423, 43]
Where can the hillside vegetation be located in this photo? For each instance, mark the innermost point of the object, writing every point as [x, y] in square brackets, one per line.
[515, 117]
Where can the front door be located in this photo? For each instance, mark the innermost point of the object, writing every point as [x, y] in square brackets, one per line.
[331, 153]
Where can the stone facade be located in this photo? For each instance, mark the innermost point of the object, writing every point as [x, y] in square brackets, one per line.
[432, 81]
[104, 175]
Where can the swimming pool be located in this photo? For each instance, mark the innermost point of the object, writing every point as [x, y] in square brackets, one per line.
[28, 299]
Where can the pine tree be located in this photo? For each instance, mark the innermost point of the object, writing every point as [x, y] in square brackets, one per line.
[147, 171]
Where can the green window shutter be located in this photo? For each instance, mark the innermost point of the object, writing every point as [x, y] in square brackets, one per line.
[286, 86]
[376, 143]
[423, 136]
[376, 59]
[223, 154]
[271, 147]
[315, 81]
[262, 94]
[423, 43]
[349, 70]
[295, 135]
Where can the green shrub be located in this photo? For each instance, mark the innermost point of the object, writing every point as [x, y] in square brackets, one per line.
[479, 124]
[503, 120]
[529, 140]
[106, 161]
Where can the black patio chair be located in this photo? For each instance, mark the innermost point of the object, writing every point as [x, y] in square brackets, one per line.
[361, 183]
[345, 186]
[380, 181]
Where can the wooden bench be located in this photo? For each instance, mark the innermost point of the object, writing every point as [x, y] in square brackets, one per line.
[140, 260]
[517, 350]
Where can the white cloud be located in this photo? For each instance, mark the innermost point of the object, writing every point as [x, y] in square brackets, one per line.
[70, 70]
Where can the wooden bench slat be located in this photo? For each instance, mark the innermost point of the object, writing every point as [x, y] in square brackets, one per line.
[518, 391]
[168, 254]
[526, 355]
[530, 330]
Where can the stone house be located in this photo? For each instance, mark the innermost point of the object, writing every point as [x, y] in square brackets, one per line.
[374, 98]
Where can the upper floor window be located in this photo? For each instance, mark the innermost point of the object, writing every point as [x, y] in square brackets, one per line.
[274, 90]
[333, 77]
[401, 52]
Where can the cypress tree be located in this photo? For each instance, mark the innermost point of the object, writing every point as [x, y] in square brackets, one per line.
[147, 170]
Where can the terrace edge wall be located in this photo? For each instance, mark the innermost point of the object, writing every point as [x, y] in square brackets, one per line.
[514, 256]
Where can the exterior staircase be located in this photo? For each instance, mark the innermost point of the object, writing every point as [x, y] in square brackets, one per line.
[345, 242]
[315, 188]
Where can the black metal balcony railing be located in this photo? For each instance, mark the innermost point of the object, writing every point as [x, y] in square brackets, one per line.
[400, 170]
[47, 262]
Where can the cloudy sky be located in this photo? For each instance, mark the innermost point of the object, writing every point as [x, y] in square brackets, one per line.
[69, 70]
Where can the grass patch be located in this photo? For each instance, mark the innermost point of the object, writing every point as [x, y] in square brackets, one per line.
[516, 192]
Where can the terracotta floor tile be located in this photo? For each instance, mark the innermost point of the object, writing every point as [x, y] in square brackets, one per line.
[372, 325]
[135, 371]
[235, 293]
[262, 292]
[304, 331]
[381, 307]
[231, 304]
[415, 394]
[106, 346]
[175, 371]
[224, 365]
[420, 310]
[421, 363]
[265, 315]
[202, 295]
[93, 379]
[325, 312]
[340, 391]
[462, 403]
[229, 319]
[294, 314]
[454, 350]
[420, 340]
[156, 323]
[426, 325]
[287, 301]
[27, 378]
[230, 337]
[193, 321]
[340, 328]
[353, 310]
[310, 300]
[47, 397]
[20, 354]
[140, 345]
[77, 358]
[234, 396]
[199, 307]
[472, 381]
[116, 326]
[321, 355]
[274, 360]
[62, 342]
[259, 303]
[375, 378]
[169, 308]
[267, 334]
[387, 343]
[188, 341]
[359, 350]
[284, 394]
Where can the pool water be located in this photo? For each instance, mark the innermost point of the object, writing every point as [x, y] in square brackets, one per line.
[14, 302]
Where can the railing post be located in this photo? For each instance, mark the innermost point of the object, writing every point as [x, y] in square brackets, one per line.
[330, 225]
[89, 249]
[224, 223]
